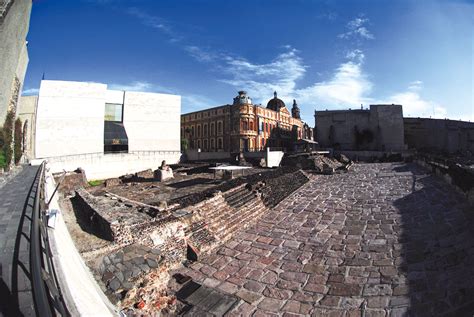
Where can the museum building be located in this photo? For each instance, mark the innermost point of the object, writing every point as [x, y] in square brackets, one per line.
[244, 126]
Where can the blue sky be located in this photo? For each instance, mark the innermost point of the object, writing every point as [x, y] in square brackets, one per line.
[325, 54]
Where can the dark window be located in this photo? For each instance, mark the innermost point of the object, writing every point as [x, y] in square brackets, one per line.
[115, 136]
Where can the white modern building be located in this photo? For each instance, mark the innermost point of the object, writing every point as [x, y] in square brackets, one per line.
[107, 133]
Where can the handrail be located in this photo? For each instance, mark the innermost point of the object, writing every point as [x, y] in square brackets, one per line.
[46, 292]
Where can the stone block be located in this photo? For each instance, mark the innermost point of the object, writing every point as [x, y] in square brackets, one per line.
[163, 175]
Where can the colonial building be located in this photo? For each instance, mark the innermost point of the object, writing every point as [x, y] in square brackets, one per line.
[243, 126]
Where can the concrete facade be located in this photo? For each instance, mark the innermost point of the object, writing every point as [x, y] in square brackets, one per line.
[70, 128]
[377, 129]
[439, 135]
[14, 24]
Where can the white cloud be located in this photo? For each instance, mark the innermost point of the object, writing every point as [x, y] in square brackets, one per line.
[357, 29]
[133, 86]
[30, 92]
[414, 105]
[356, 55]
[200, 54]
[156, 23]
[348, 85]
[416, 85]
[260, 80]
[193, 102]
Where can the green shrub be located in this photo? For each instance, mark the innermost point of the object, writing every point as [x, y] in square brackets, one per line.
[96, 182]
[18, 140]
[3, 162]
[7, 138]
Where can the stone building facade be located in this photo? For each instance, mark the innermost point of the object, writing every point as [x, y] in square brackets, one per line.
[439, 135]
[27, 114]
[14, 24]
[243, 126]
[379, 128]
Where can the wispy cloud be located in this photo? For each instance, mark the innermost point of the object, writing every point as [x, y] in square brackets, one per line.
[30, 92]
[155, 22]
[199, 54]
[189, 101]
[414, 105]
[356, 28]
[347, 86]
[281, 74]
[142, 86]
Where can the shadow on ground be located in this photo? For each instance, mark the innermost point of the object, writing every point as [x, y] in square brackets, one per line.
[437, 254]
[18, 295]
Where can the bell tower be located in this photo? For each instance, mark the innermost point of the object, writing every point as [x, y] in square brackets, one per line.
[295, 110]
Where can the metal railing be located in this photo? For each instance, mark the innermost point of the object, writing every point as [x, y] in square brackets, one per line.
[46, 290]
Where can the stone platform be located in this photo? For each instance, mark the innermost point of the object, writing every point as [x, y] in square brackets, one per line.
[382, 240]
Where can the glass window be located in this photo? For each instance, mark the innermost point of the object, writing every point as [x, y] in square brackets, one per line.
[113, 112]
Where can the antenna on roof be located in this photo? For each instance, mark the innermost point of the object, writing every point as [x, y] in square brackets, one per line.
[42, 78]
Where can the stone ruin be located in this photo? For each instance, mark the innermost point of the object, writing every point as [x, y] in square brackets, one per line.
[318, 163]
[148, 240]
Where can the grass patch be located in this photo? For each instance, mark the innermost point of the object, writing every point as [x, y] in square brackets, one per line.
[96, 182]
[3, 161]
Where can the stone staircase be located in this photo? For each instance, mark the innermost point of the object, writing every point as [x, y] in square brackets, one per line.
[223, 215]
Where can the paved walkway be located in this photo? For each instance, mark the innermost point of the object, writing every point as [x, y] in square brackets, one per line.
[15, 214]
[382, 240]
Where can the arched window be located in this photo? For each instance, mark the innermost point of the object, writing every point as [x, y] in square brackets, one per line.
[213, 129]
[219, 144]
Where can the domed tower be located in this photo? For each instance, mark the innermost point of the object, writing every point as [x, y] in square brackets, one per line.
[242, 98]
[295, 110]
[275, 104]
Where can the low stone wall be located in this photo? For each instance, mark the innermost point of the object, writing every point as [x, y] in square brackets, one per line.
[461, 177]
[102, 166]
[99, 225]
[194, 155]
[71, 180]
[374, 156]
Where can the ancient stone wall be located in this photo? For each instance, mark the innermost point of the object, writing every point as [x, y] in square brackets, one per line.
[439, 135]
[461, 177]
[380, 128]
[14, 24]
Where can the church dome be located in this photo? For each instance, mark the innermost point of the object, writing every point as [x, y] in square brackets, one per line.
[275, 103]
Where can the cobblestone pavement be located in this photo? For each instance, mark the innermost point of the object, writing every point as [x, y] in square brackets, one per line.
[16, 206]
[382, 240]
